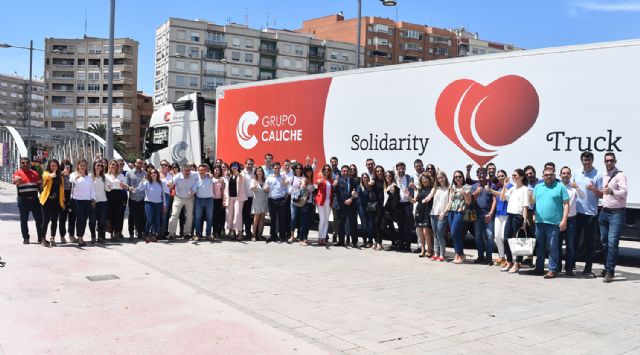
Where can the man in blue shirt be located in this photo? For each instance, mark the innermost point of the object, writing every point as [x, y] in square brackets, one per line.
[588, 180]
[552, 210]
[276, 186]
[484, 203]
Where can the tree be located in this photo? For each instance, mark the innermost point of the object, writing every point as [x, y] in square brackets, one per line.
[100, 130]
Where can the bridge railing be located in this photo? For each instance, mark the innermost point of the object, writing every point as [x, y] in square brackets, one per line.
[12, 148]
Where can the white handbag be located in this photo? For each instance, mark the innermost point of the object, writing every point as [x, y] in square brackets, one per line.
[522, 246]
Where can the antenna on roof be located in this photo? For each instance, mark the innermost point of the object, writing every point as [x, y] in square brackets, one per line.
[228, 20]
[85, 22]
[267, 20]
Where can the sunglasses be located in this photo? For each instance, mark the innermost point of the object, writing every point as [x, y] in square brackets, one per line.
[609, 160]
[458, 177]
[164, 164]
[24, 163]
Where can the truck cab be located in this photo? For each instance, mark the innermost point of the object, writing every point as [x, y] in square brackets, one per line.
[179, 132]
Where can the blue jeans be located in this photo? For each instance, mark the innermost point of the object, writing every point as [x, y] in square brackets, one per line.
[610, 227]
[203, 205]
[295, 215]
[164, 225]
[456, 225]
[586, 229]
[98, 216]
[547, 236]
[569, 235]
[153, 212]
[440, 244]
[484, 236]
[368, 220]
[82, 209]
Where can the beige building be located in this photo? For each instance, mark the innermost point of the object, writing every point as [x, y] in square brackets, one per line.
[470, 43]
[76, 83]
[196, 55]
[14, 99]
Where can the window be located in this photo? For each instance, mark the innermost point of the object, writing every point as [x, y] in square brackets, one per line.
[345, 57]
[235, 56]
[181, 49]
[286, 62]
[80, 87]
[194, 52]
[298, 64]
[179, 65]
[181, 80]
[442, 51]
[194, 67]
[235, 71]
[248, 72]
[193, 82]
[334, 55]
[299, 50]
[286, 48]
[195, 37]
[95, 49]
[182, 35]
[93, 87]
[81, 75]
[412, 34]
[94, 75]
[248, 43]
[412, 46]
[235, 41]
[248, 57]
[63, 74]
[380, 28]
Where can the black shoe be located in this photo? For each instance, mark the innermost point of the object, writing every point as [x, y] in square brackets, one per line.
[355, 245]
[569, 273]
[25, 241]
[45, 243]
[603, 273]
[339, 244]
[269, 240]
[608, 277]
[479, 261]
[535, 272]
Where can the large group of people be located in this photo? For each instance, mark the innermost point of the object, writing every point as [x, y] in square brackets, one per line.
[217, 200]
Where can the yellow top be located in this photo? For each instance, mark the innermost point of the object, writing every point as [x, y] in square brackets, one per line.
[47, 182]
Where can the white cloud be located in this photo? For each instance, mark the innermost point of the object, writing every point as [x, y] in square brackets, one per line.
[626, 6]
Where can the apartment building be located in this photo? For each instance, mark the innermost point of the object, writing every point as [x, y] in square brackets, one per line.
[198, 55]
[14, 100]
[140, 123]
[76, 84]
[469, 43]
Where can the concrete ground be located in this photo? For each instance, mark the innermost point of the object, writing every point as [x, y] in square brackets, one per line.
[253, 297]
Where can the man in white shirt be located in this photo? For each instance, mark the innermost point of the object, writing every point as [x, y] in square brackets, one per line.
[276, 186]
[405, 224]
[186, 187]
[248, 173]
[371, 168]
[569, 234]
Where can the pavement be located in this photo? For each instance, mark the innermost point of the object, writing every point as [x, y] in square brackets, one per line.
[257, 298]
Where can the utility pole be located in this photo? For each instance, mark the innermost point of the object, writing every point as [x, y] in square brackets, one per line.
[30, 88]
[109, 149]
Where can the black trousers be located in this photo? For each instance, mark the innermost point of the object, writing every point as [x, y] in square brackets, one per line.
[277, 212]
[137, 218]
[348, 217]
[115, 213]
[405, 224]
[50, 213]
[67, 213]
[31, 205]
[218, 216]
[247, 217]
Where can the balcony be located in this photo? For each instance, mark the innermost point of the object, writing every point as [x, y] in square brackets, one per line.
[315, 69]
[214, 72]
[267, 63]
[209, 88]
[215, 43]
[318, 54]
[269, 50]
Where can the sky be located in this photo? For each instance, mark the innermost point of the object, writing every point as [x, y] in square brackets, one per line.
[523, 23]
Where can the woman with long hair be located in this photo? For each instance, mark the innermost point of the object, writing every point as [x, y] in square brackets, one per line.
[116, 193]
[51, 199]
[260, 204]
[324, 201]
[154, 203]
[218, 205]
[67, 214]
[424, 204]
[517, 213]
[234, 197]
[501, 219]
[439, 215]
[308, 208]
[84, 197]
[99, 212]
[296, 183]
[391, 205]
[378, 184]
[367, 207]
[459, 201]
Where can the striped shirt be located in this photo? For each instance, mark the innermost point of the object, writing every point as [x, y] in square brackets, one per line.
[28, 187]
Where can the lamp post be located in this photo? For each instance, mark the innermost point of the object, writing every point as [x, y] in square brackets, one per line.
[384, 3]
[29, 89]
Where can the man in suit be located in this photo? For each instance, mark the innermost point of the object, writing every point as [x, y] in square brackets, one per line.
[345, 204]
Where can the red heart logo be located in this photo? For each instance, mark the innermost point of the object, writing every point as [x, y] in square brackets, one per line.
[481, 119]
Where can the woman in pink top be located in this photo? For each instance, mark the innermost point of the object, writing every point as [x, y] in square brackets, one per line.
[234, 196]
[218, 207]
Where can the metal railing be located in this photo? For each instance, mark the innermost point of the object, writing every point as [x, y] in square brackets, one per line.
[12, 148]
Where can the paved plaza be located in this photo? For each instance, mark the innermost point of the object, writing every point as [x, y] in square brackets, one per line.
[257, 298]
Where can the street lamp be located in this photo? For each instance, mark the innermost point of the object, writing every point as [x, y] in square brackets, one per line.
[31, 49]
[384, 3]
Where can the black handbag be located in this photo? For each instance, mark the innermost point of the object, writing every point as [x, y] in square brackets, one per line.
[372, 206]
[470, 215]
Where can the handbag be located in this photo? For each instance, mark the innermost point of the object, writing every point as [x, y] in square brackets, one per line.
[470, 215]
[522, 244]
[299, 197]
[372, 206]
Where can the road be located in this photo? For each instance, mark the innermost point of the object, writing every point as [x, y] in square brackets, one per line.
[252, 297]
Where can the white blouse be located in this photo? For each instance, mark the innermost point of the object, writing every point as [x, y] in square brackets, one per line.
[100, 187]
[82, 187]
